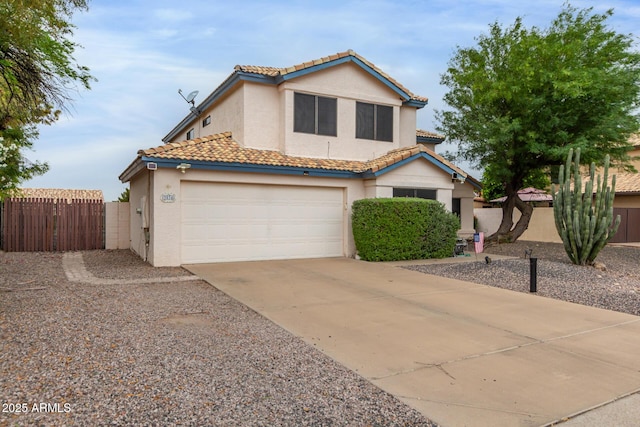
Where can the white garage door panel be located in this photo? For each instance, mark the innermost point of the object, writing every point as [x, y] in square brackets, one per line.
[236, 222]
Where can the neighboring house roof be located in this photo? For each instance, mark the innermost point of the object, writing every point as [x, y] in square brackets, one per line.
[221, 152]
[627, 183]
[59, 193]
[528, 194]
[424, 136]
[275, 76]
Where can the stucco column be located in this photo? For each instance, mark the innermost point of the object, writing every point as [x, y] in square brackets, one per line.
[165, 239]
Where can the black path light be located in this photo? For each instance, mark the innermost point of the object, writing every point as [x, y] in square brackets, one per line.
[533, 274]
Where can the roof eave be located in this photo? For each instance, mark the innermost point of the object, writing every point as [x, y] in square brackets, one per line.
[429, 140]
[415, 103]
[132, 170]
[251, 168]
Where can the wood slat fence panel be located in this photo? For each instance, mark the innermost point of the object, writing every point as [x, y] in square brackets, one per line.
[30, 225]
[80, 225]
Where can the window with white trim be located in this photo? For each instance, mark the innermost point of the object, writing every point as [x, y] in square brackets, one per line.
[191, 134]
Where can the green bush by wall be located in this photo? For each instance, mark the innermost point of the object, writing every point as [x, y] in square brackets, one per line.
[402, 228]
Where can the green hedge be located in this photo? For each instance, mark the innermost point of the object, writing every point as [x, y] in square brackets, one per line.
[403, 229]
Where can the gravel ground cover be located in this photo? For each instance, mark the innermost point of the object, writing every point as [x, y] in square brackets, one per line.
[162, 354]
[617, 288]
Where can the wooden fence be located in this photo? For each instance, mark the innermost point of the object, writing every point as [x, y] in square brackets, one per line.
[30, 225]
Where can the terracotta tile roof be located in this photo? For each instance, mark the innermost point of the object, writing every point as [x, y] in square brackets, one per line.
[258, 69]
[59, 193]
[427, 134]
[627, 183]
[274, 72]
[222, 148]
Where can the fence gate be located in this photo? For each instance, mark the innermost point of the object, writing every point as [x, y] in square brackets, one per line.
[629, 230]
[35, 224]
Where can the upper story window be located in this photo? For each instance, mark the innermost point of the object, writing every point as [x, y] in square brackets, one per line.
[374, 122]
[191, 134]
[206, 121]
[315, 114]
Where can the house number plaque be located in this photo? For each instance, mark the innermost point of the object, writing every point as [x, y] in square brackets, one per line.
[167, 198]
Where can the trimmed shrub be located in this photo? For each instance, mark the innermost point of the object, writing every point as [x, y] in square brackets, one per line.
[403, 228]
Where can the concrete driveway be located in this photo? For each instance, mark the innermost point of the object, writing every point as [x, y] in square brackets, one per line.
[463, 354]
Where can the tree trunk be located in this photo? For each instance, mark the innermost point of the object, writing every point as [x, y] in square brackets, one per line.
[507, 232]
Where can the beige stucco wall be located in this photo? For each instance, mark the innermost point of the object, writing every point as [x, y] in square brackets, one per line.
[261, 117]
[165, 244]
[117, 227]
[541, 226]
[408, 125]
[228, 115]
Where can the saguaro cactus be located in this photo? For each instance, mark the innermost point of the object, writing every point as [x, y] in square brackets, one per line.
[585, 224]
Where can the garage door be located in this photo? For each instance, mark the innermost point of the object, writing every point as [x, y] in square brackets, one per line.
[240, 222]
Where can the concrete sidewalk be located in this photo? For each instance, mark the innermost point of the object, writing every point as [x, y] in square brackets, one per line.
[462, 354]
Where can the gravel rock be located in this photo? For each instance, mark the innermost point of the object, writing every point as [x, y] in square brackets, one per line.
[156, 354]
[617, 288]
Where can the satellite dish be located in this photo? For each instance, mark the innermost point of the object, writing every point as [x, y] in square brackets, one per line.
[192, 96]
[189, 97]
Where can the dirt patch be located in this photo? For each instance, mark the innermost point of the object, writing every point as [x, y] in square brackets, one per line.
[201, 319]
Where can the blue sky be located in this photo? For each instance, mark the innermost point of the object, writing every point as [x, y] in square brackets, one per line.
[143, 51]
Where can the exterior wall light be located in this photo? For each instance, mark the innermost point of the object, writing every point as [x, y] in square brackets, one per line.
[183, 167]
[458, 177]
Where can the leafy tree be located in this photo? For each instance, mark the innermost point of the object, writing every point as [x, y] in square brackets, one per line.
[37, 72]
[522, 98]
[493, 189]
[14, 168]
[124, 196]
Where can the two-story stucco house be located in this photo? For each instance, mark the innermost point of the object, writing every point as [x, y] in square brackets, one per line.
[269, 164]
